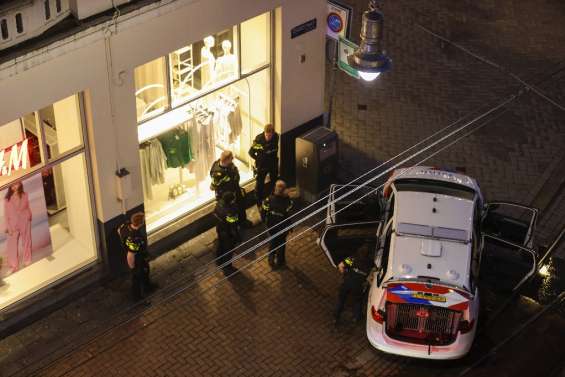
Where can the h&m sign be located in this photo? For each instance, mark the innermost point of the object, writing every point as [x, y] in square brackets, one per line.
[14, 158]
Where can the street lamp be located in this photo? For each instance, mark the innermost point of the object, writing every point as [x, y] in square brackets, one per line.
[368, 59]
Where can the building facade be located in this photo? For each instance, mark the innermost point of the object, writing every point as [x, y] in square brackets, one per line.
[126, 114]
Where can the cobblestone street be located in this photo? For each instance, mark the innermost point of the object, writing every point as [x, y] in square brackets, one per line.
[279, 323]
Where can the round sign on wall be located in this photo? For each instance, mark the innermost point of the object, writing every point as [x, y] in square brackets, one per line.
[335, 22]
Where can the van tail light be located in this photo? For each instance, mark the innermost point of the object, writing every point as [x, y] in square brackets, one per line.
[378, 315]
[466, 326]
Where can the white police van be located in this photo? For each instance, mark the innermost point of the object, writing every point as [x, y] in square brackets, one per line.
[429, 229]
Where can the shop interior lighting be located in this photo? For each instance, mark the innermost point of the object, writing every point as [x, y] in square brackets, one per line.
[369, 59]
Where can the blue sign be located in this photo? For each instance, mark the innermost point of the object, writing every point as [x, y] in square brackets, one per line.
[335, 22]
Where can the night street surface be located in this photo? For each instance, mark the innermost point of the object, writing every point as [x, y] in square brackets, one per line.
[264, 323]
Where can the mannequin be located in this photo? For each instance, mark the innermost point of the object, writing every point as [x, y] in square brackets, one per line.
[226, 66]
[207, 61]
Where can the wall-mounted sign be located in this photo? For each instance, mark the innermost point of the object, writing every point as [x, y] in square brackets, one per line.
[346, 48]
[14, 158]
[338, 21]
[303, 28]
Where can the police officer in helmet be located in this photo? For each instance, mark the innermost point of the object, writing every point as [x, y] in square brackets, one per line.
[227, 220]
[134, 243]
[275, 209]
[225, 178]
[264, 151]
[355, 270]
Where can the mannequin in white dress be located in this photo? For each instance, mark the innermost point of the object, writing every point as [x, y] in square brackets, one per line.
[226, 65]
[208, 62]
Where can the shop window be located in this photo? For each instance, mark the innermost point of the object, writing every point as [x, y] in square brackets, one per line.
[19, 23]
[151, 89]
[47, 9]
[62, 126]
[213, 108]
[203, 66]
[58, 6]
[4, 29]
[255, 43]
[46, 218]
[20, 148]
[176, 160]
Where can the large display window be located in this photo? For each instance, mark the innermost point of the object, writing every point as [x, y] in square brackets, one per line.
[215, 105]
[46, 219]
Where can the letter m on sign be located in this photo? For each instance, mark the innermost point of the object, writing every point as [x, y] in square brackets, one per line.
[19, 158]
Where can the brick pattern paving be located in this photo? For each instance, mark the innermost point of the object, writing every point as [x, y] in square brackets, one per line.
[432, 84]
[261, 323]
[265, 323]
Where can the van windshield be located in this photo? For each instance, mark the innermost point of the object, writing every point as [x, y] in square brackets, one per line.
[434, 187]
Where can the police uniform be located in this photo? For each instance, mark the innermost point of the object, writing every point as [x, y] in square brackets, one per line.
[265, 154]
[134, 241]
[226, 179]
[275, 209]
[354, 278]
[227, 220]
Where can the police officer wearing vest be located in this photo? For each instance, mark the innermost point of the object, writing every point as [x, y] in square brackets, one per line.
[264, 151]
[225, 178]
[355, 270]
[227, 219]
[134, 243]
[275, 209]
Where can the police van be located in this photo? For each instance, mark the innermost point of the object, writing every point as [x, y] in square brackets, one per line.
[430, 231]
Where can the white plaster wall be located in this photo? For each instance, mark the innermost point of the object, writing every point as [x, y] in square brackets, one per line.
[10, 134]
[71, 66]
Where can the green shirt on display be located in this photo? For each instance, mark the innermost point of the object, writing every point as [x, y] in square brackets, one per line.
[177, 147]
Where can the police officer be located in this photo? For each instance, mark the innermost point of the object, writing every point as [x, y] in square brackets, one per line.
[225, 178]
[355, 270]
[227, 219]
[264, 151]
[134, 243]
[276, 209]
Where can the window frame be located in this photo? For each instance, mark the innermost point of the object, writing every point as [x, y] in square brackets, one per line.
[45, 162]
[47, 10]
[239, 76]
[20, 23]
[4, 27]
[84, 149]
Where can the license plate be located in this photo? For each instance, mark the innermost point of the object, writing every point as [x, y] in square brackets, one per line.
[429, 297]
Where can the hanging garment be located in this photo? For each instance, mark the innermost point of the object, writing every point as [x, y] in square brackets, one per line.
[177, 148]
[204, 144]
[236, 125]
[145, 173]
[223, 129]
[153, 164]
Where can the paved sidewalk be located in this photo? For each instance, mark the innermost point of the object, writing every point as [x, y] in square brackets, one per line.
[260, 323]
[265, 323]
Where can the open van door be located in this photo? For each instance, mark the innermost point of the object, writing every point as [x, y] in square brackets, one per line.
[340, 241]
[510, 221]
[507, 233]
[362, 205]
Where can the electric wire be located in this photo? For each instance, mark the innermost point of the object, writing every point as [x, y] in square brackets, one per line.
[350, 183]
[197, 272]
[495, 65]
[213, 272]
[175, 293]
[258, 259]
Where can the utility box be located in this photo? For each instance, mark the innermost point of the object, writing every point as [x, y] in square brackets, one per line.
[316, 162]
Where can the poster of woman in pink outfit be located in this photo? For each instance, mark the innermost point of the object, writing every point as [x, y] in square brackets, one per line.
[25, 236]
